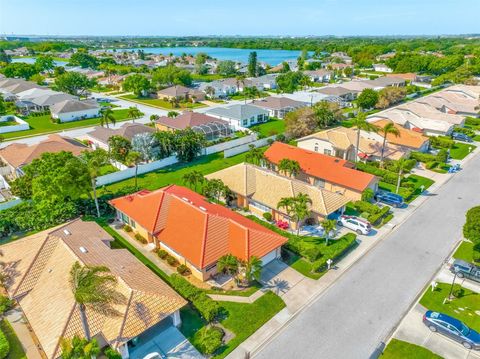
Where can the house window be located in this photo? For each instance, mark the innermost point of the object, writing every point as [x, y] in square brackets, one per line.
[315, 148]
[245, 123]
[133, 224]
[327, 152]
[259, 206]
[319, 183]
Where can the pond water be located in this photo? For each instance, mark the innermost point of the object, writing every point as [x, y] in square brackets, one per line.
[31, 60]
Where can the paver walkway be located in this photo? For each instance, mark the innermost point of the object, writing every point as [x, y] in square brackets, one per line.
[19, 325]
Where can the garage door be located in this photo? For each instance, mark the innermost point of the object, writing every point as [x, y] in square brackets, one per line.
[269, 257]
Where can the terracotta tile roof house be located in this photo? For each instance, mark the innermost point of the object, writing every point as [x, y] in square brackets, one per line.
[341, 142]
[39, 272]
[408, 138]
[181, 93]
[212, 127]
[195, 231]
[18, 155]
[100, 135]
[260, 190]
[331, 173]
[278, 106]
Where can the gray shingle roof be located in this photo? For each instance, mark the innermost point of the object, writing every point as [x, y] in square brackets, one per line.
[238, 112]
[72, 105]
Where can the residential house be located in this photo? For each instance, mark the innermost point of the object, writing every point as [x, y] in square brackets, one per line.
[342, 56]
[260, 190]
[382, 68]
[385, 57]
[39, 280]
[339, 91]
[408, 76]
[262, 83]
[40, 100]
[427, 111]
[72, 110]
[320, 75]
[219, 88]
[459, 99]
[382, 82]
[278, 106]
[240, 116]
[341, 142]
[181, 93]
[194, 230]
[98, 138]
[312, 97]
[413, 140]
[17, 155]
[211, 127]
[323, 171]
[10, 87]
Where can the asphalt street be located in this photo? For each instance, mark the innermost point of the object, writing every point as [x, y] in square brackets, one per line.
[359, 311]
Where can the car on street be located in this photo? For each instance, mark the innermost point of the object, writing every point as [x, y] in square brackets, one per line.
[154, 355]
[452, 328]
[356, 224]
[465, 270]
[461, 137]
[392, 199]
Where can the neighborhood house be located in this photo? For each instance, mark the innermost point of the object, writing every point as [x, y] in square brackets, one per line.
[240, 116]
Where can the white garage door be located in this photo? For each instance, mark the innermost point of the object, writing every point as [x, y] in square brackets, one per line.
[269, 257]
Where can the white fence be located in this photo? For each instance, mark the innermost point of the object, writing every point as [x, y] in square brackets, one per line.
[244, 148]
[10, 204]
[21, 124]
[229, 144]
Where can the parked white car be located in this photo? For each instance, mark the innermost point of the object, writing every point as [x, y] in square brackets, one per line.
[355, 224]
[154, 355]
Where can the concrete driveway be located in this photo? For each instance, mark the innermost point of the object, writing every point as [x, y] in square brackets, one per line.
[413, 330]
[279, 277]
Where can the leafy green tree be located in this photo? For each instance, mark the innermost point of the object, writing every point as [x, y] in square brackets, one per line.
[171, 75]
[166, 142]
[3, 107]
[138, 84]
[134, 113]
[301, 122]
[228, 264]
[368, 98]
[95, 160]
[226, 68]
[471, 228]
[361, 124]
[119, 147]
[107, 116]
[252, 64]
[188, 144]
[93, 287]
[79, 348]
[214, 189]
[38, 79]
[285, 67]
[289, 81]
[328, 226]
[390, 96]
[44, 63]
[388, 128]
[74, 83]
[172, 114]
[83, 60]
[4, 58]
[300, 209]
[20, 69]
[327, 113]
[193, 178]
[134, 158]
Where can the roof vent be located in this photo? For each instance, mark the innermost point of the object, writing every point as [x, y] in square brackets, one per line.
[67, 232]
[83, 250]
[203, 208]
[185, 199]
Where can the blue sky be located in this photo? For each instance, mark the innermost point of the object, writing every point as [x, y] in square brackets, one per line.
[244, 17]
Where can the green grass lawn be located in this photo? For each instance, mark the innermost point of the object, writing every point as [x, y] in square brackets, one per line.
[16, 349]
[398, 349]
[247, 292]
[105, 170]
[465, 252]
[477, 138]
[272, 127]
[416, 180]
[463, 308]
[173, 174]
[157, 102]
[207, 77]
[246, 319]
[302, 266]
[460, 150]
[43, 124]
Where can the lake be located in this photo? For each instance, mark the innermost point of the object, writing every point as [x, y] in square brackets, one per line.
[272, 57]
[31, 60]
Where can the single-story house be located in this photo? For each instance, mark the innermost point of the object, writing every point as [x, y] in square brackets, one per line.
[382, 82]
[407, 76]
[312, 97]
[181, 93]
[73, 109]
[342, 56]
[100, 135]
[278, 106]
[194, 230]
[323, 171]
[260, 190]
[219, 88]
[211, 127]
[458, 99]
[38, 268]
[38, 102]
[17, 155]
[427, 111]
[382, 68]
[15, 86]
[339, 91]
[341, 142]
[240, 116]
[265, 82]
[320, 75]
[413, 140]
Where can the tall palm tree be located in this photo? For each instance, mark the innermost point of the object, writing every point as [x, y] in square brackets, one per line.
[94, 288]
[107, 116]
[255, 156]
[210, 91]
[401, 165]
[133, 113]
[154, 118]
[133, 159]
[300, 208]
[389, 128]
[287, 203]
[253, 269]
[360, 122]
[290, 167]
[94, 161]
[193, 178]
[328, 226]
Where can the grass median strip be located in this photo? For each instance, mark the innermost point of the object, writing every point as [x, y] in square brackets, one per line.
[398, 349]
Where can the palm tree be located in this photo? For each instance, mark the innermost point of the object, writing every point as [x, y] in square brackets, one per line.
[210, 91]
[79, 348]
[107, 116]
[360, 122]
[241, 80]
[255, 156]
[300, 208]
[253, 269]
[401, 165]
[94, 161]
[94, 288]
[287, 203]
[328, 226]
[154, 118]
[290, 167]
[385, 130]
[133, 159]
[228, 264]
[133, 113]
[193, 178]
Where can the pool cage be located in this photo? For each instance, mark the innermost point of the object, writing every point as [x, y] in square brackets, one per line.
[214, 130]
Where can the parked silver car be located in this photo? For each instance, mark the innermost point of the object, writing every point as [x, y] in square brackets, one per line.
[356, 224]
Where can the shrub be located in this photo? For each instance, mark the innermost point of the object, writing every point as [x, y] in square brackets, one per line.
[442, 156]
[367, 195]
[376, 217]
[172, 260]
[472, 121]
[442, 142]
[183, 269]
[127, 228]
[390, 178]
[208, 339]
[4, 346]
[140, 238]
[422, 157]
[112, 354]
[471, 228]
[466, 131]
[162, 253]
[268, 216]
[431, 164]
[387, 218]
[312, 254]
[362, 206]
[5, 304]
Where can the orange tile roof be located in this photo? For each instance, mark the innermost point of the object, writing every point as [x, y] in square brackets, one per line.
[328, 168]
[408, 138]
[198, 230]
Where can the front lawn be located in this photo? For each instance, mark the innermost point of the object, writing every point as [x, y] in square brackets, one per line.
[477, 138]
[16, 349]
[398, 349]
[460, 150]
[272, 127]
[465, 252]
[157, 102]
[44, 124]
[412, 182]
[105, 170]
[463, 307]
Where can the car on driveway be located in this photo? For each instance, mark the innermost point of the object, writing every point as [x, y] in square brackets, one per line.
[355, 224]
[392, 199]
[461, 137]
[465, 270]
[452, 328]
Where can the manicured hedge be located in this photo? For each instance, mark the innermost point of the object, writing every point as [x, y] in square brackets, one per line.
[423, 157]
[335, 251]
[376, 217]
[208, 339]
[441, 142]
[4, 346]
[387, 176]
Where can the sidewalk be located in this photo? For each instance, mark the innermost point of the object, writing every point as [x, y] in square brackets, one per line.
[302, 293]
[19, 325]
